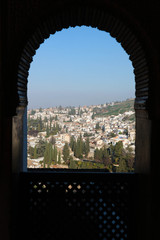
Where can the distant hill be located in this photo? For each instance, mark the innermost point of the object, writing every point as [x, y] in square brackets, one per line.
[115, 108]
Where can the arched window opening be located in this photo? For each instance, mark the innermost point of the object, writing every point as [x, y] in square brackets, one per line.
[81, 106]
[117, 192]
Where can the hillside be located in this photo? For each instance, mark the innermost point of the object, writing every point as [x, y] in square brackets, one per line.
[115, 109]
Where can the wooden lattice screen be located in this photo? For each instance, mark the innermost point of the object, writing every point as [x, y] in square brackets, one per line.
[77, 206]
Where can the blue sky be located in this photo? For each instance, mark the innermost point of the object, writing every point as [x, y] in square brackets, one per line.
[79, 66]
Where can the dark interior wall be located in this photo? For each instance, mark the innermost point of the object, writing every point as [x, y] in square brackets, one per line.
[18, 21]
[5, 136]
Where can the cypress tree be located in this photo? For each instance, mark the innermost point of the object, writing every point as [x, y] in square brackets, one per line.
[41, 123]
[66, 152]
[39, 127]
[122, 166]
[79, 147]
[59, 157]
[50, 154]
[47, 131]
[72, 140]
[87, 148]
[106, 157]
[55, 154]
[84, 148]
[35, 153]
[46, 155]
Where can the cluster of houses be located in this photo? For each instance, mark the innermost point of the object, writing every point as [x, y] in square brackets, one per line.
[110, 130]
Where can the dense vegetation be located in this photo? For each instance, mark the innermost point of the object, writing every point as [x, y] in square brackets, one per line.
[37, 125]
[80, 148]
[114, 159]
[115, 109]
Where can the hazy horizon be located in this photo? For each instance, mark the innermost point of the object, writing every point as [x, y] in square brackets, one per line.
[73, 106]
[77, 67]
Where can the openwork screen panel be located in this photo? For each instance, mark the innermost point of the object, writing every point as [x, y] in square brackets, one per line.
[77, 206]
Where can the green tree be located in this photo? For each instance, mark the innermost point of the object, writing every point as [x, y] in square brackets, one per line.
[39, 127]
[60, 108]
[80, 142]
[106, 158]
[83, 147]
[103, 128]
[48, 155]
[72, 111]
[87, 147]
[51, 154]
[97, 126]
[79, 147]
[59, 157]
[72, 164]
[98, 154]
[47, 131]
[56, 128]
[130, 159]
[33, 112]
[118, 151]
[35, 153]
[72, 143]
[41, 123]
[122, 166]
[54, 158]
[66, 152]
[52, 140]
[31, 152]
[41, 146]
[50, 122]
